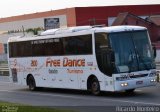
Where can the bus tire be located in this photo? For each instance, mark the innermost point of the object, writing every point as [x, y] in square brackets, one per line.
[31, 83]
[95, 87]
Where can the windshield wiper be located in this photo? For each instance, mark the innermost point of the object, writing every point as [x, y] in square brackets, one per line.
[140, 58]
[132, 59]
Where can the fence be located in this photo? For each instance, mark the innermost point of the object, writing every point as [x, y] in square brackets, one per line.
[4, 70]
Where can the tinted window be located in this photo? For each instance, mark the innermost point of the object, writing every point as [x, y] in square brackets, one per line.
[47, 47]
[101, 41]
[20, 49]
[78, 45]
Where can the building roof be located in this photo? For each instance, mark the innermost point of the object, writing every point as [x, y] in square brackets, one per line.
[123, 16]
[155, 19]
[120, 19]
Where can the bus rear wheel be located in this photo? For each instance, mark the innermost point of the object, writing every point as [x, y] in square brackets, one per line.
[31, 83]
[95, 87]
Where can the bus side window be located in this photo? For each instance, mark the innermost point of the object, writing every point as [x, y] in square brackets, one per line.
[67, 45]
[78, 45]
[101, 41]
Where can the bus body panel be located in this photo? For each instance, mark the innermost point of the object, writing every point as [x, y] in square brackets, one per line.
[59, 77]
[72, 71]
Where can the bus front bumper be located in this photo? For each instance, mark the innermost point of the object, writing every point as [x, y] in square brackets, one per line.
[135, 83]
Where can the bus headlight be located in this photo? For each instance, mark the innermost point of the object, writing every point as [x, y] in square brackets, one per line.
[153, 80]
[124, 84]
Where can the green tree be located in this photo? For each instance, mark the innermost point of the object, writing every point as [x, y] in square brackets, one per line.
[34, 30]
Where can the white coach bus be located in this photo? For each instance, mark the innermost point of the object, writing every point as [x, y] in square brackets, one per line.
[118, 58]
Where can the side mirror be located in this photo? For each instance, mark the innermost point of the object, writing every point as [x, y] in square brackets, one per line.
[112, 56]
[154, 51]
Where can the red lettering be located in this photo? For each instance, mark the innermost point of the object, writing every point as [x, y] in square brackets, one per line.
[73, 63]
[51, 63]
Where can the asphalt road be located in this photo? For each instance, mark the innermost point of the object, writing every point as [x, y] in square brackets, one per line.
[79, 100]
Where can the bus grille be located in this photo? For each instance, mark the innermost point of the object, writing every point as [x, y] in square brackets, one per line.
[138, 76]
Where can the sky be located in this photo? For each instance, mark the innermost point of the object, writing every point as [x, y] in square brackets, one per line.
[19, 7]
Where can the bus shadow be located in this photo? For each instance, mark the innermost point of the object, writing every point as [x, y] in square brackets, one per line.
[121, 94]
[86, 93]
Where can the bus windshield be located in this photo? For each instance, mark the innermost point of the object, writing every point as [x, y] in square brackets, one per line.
[132, 51]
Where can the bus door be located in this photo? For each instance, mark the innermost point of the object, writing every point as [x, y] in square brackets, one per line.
[104, 57]
[104, 54]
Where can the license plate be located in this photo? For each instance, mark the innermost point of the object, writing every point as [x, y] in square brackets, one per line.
[139, 82]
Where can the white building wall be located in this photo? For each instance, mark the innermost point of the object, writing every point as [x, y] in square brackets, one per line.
[30, 23]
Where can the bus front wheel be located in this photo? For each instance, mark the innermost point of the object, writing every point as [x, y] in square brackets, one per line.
[31, 83]
[95, 87]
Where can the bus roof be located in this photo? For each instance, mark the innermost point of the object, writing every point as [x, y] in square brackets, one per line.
[79, 30]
